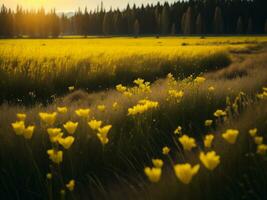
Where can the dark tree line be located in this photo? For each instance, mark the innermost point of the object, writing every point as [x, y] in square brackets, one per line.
[182, 17]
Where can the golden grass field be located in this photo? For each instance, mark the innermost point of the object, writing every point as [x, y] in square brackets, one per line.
[125, 118]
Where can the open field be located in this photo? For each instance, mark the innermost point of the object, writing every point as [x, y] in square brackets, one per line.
[191, 80]
[46, 68]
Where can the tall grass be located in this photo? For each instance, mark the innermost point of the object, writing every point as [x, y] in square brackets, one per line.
[133, 140]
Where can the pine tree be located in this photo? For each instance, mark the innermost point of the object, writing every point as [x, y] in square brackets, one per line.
[165, 20]
[183, 23]
[218, 21]
[136, 28]
[265, 26]
[188, 27]
[173, 30]
[106, 24]
[239, 25]
[199, 24]
[250, 27]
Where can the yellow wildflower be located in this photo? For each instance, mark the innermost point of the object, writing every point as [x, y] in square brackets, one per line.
[66, 142]
[208, 140]
[178, 130]
[49, 176]
[115, 106]
[21, 116]
[210, 160]
[208, 122]
[199, 80]
[139, 81]
[71, 88]
[142, 106]
[52, 132]
[176, 94]
[219, 113]
[28, 132]
[253, 132]
[187, 142]
[128, 94]
[62, 110]
[185, 172]
[158, 163]
[165, 150]
[230, 135]
[120, 88]
[70, 127]
[258, 140]
[55, 156]
[211, 88]
[101, 108]
[94, 124]
[261, 149]
[102, 134]
[70, 185]
[103, 139]
[56, 138]
[153, 174]
[48, 118]
[83, 112]
[18, 127]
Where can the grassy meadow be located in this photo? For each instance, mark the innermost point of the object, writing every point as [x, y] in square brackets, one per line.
[125, 118]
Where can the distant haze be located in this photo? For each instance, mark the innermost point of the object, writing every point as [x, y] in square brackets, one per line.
[72, 5]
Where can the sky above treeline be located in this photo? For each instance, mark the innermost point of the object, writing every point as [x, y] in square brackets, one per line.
[72, 5]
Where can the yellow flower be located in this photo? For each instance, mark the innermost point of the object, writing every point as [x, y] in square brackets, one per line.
[120, 88]
[52, 132]
[21, 116]
[219, 113]
[66, 142]
[83, 112]
[165, 150]
[158, 163]
[187, 142]
[176, 94]
[208, 140]
[48, 118]
[71, 88]
[70, 127]
[55, 156]
[128, 94]
[208, 122]
[49, 176]
[102, 134]
[264, 89]
[258, 140]
[94, 124]
[253, 132]
[101, 108]
[230, 135]
[153, 174]
[199, 80]
[71, 185]
[56, 138]
[28, 132]
[210, 160]
[104, 130]
[142, 106]
[103, 139]
[178, 130]
[139, 81]
[115, 106]
[211, 88]
[261, 149]
[185, 172]
[18, 127]
[62, 110]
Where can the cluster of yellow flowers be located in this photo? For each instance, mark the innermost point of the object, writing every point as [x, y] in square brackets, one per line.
[263, 94]
[142, 106]
[199, 80]
[20, 128]
[154, 173]
[102, 132]
[261, 148]
[174, 94]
